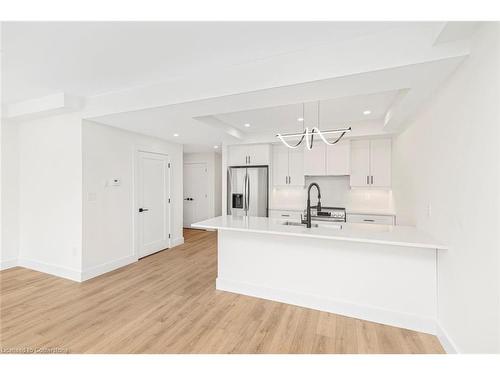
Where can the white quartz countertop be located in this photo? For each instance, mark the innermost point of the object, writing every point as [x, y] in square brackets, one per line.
[368, 233]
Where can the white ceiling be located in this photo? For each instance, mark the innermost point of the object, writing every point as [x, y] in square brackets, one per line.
[333, 112]
[89, 58]
[204, 80]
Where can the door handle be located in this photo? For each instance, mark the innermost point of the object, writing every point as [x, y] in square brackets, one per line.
[289, 180]
[368, 180]
[143, 209]
[372, 180]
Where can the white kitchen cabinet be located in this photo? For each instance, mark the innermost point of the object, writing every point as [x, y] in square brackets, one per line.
[248, 155]
[371, 219]
[315, 160]
[293, 215]
[324, 160]
[338, 159]
[380, 162]
[288, 166]
[371, 163]
[296, 167]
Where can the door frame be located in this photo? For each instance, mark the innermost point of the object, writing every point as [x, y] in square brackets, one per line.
[137, 191]
[210, 214]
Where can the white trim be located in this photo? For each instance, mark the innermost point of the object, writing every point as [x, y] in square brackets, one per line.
[370, 313]
[51, 269]
[447, 343]
[177, 241]
[103, 268]
[6, 264]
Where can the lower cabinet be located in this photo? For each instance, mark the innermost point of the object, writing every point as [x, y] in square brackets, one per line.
[371, 219]
[285, 214]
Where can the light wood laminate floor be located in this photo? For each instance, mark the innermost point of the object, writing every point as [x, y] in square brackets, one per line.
[167, 303]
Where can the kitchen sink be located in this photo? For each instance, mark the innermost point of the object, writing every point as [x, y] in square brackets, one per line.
[314, 225]
[296, 224]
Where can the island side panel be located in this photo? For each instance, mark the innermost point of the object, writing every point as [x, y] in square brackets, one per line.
[382, 283]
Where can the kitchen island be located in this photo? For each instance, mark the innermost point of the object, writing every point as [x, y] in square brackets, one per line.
[386, 274]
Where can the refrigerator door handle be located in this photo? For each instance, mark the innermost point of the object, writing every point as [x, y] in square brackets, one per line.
[245, 207]
[248, 194]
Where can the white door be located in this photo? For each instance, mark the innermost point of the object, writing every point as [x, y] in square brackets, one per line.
[338, 158]
[280, 165]
[380, 162]
[195, 193]
[360, 163]
[153, 187]
[296, 166]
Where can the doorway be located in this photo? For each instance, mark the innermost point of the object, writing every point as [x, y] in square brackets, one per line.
[153, 203]
[195, 193]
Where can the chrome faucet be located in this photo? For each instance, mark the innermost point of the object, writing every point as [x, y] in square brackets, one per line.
[308, 210]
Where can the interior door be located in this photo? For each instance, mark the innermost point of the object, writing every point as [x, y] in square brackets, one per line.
[360, 163]
[153, 203]
[195, 193]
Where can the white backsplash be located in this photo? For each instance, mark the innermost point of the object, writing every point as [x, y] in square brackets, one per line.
[335, 192]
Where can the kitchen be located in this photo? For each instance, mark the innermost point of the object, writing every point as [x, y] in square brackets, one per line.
[342, 252]
[325, 187]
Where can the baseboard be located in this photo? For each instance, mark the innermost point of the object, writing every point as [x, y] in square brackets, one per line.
[5, 264]
[100, 269]
[51, 269]
[446, 342]
[177, 241]
[370, 313]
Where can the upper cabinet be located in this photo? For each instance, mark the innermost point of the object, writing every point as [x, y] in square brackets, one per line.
[371, 163]
[239, 155]
[338, 159]
[288, 166]
[325, 160]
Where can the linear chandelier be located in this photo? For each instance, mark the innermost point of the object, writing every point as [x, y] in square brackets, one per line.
[308, 134]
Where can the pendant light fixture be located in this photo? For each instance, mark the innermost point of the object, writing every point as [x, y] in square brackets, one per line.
[308, 134]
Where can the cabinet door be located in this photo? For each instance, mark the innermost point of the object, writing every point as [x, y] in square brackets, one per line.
[338, 159]
[280, 165]
[259, 154]
[380, 162]
[360, 163]
[237, 155]
[315, 160]
[296, 166]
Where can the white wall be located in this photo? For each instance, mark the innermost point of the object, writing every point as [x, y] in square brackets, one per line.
[108, 218]
[9, 195]
[50, 190]
[449, 158]
[218, 184]
[214, 164]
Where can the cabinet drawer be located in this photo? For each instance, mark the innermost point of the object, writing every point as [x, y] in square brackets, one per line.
[370, 219]
[285, 215]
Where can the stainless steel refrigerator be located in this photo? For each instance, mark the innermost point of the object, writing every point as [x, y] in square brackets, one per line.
[247, 191]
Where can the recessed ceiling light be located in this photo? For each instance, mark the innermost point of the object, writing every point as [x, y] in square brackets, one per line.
[367, 112]
[216, 146]
[300, 119]
[247, 125]
[176, 135]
